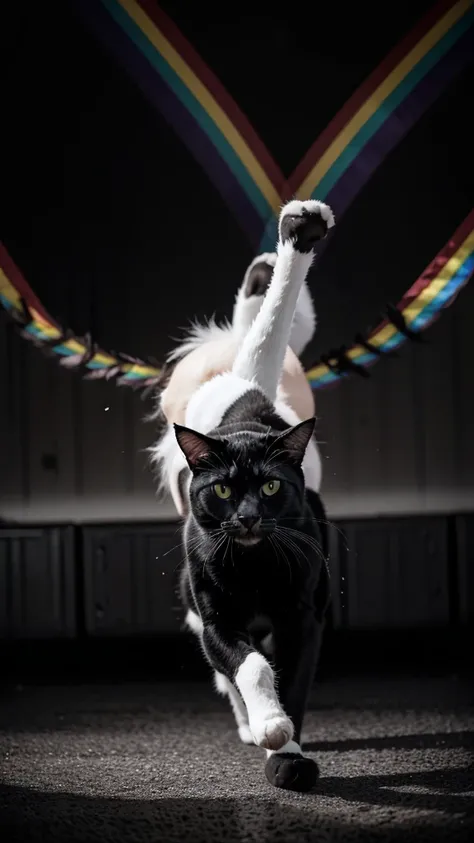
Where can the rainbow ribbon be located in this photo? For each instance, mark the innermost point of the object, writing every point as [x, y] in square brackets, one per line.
[434, 290]
[336, 167]
[209, 122]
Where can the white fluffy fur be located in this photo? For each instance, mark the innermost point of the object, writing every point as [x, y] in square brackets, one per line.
[296, 208]
[261, 355]
[198, 334]
[304, 322]
[244, 313]
[291, 747]
[268, 723]
[194, 622]
[209, 404]
[226, 688]
[247, 307]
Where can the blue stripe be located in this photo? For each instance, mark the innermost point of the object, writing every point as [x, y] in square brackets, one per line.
[388, 106]
[193, 105]
[417, 324]
[454, 284]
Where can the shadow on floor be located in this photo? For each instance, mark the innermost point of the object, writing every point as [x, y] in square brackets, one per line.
[448, 790]
[438, 740]
[28, 815]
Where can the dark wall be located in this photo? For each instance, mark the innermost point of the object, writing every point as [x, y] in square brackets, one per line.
[108, 583]
[93, 183]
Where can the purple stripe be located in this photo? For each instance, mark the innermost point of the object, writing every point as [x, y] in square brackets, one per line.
[399, 124]
[163, 98]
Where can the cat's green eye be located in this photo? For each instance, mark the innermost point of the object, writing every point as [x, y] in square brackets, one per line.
[222, 492]
[271, 487]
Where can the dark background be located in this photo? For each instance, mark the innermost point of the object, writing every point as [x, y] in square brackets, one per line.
[93, 183]
[96, 180]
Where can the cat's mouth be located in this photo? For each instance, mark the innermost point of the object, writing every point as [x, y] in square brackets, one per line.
[248, 540]
[249, 532]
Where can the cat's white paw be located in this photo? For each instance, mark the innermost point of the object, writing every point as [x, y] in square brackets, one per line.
[272, 733]
[245, 734]
[304, 223]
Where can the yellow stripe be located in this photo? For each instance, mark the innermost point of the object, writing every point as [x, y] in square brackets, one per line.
[437, 284]
[50, 330]
[147, 371]
[205, 98]
[412, 310]
[318, 372]
[9, 291]
[385, 88]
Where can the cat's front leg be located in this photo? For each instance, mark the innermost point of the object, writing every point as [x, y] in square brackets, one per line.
[253, 677]
[297, 642]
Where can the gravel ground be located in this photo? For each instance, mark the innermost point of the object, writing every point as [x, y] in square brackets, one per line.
[162, 763]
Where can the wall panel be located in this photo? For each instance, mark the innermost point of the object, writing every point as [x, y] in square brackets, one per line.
[131, 580]
[37, 583]
[393, 573]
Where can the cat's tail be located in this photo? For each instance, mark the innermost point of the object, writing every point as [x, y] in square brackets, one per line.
[261, 355]
[250, 297]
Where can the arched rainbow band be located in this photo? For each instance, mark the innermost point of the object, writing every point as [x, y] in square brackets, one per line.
[209, 122]
[434, 290]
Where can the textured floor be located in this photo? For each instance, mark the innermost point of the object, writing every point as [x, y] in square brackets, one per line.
[162, 763]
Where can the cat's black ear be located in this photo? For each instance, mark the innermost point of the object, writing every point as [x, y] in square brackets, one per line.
[195, 446]
[293, 442]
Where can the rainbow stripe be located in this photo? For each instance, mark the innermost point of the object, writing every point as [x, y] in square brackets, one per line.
[212, 126]
[192, 100]
[435, 289]
[15, 294]
[384, 109]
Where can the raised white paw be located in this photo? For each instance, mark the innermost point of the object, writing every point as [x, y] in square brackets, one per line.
[304, 223]
[272, 733]
[245, 734]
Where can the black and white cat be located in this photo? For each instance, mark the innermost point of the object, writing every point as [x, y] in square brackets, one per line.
[255, 581]
[221, 342]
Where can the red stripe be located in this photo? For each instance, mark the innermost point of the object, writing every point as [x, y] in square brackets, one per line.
[21, 285]
[361, 95]
[434, 267]
[207, 77]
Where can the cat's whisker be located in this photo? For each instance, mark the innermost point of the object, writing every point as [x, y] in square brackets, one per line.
[293, 548]
[313, 543]
[322, 521]
[298, 551]
[276, 542]
[217, 544]
[307, 539]
[180, 544]
[200, 541]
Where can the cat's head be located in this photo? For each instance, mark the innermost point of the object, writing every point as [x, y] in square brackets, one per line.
[246, 483]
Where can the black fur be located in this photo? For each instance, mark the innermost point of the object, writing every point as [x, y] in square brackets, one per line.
[282, 577]
[258, 279]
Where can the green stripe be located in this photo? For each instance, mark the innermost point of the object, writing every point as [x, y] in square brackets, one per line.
[388, 106]
[193, 106]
